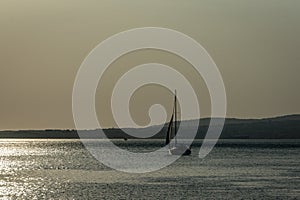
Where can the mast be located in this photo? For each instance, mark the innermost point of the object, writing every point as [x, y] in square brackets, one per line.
[175, 111]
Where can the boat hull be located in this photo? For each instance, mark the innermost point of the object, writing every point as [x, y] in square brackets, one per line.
[185, 151]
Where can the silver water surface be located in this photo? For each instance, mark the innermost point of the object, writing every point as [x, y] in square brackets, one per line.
[235, 169]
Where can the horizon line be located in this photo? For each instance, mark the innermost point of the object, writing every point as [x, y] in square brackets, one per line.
[148, 126]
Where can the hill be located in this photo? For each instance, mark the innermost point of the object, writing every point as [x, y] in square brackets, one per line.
[283, 127]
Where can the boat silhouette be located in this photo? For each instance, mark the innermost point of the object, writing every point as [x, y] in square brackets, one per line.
[176, 148]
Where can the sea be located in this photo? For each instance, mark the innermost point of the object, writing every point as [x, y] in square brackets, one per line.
[234, 169]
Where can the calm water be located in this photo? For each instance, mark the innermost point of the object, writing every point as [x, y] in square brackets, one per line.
[64, 169]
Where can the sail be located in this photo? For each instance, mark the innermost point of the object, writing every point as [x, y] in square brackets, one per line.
[175, 111]
[169, 132]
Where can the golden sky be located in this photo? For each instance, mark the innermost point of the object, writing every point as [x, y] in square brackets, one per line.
[254, 43]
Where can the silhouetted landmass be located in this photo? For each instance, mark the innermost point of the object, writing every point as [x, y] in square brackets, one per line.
[284, 127]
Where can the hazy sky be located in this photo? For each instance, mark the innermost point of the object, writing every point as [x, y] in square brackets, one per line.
[255, 44]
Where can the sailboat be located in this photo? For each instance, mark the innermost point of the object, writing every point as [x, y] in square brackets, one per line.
[176, 149]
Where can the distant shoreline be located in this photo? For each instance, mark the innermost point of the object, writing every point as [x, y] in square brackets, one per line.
[283, 127]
